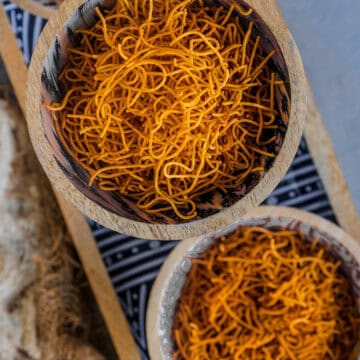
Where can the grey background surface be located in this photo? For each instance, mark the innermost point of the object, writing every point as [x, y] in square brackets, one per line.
[327, 33]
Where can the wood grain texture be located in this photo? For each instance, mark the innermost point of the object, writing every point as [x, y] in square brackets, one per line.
[12, 58]
[77, 226]
[323, 153]
[168, 284]
[99, 280]
[275, 23]
[35, 8]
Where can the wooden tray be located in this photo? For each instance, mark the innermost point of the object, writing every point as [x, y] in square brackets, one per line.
[314, 183]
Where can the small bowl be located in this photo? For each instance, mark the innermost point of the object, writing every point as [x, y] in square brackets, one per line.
[172, 277]
[111, 209]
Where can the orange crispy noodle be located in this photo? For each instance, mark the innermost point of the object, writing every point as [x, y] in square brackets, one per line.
[167, 100]
[265, 295]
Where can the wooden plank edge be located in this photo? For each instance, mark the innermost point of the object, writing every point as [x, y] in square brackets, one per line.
[323, 154]
[35, 8]
[99, 280]
[78, 228]
[12, 59]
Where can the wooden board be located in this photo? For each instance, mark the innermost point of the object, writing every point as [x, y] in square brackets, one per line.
[323, 153]
[36, 7]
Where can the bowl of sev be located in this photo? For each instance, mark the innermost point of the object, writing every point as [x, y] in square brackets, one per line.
[165, 119]
[278, 284]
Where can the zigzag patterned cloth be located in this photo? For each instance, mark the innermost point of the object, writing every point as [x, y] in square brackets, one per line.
[133, 264]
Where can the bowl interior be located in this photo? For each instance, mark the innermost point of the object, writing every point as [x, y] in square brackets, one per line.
[114, 202]
[176, 281]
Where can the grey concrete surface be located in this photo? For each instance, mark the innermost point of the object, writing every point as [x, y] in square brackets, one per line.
[328, 35]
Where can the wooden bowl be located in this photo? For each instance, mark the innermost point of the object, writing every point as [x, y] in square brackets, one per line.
[171, 279]
[112, 210]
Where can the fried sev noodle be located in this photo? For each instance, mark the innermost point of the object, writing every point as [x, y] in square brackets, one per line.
[167, 100]
[266, 294]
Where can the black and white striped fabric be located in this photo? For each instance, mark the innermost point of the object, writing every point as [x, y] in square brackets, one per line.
[133, 264]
